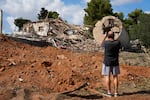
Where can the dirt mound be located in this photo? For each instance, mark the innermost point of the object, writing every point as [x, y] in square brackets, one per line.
[42, 73]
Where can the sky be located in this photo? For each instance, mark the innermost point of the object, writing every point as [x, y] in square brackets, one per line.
[69, 10]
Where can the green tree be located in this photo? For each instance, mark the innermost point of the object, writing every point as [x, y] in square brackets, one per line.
[96, 9]
[53, 14]
[43, 13]
[127, 23]
[120, 15]
[143, 29]
[131, 23]
[47, 14]
[20, 21]
[134, 15]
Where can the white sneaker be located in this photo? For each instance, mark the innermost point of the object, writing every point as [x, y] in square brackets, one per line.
[116, 94]
[107, 94]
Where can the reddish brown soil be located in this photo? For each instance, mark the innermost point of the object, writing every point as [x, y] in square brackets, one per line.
[43, 73]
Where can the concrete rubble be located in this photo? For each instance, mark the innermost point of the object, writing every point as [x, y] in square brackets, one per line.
[59, 34]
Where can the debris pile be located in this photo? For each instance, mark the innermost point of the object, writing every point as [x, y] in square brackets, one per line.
[58, 34]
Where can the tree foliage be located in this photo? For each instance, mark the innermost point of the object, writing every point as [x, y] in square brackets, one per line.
[134, 15]
[138, 26]
[143, 29]
[20, 21]
[43, 13]
[120, 15]
[96, 9]
[131, 22]
[47, 14]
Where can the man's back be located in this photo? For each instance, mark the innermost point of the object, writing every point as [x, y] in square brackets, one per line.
[111, 52]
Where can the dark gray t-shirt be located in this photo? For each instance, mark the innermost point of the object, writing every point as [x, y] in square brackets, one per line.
[111, 52]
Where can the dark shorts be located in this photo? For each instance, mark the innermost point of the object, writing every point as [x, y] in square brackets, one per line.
[107, 70]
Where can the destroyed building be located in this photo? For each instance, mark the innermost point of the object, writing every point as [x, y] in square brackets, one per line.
[50, 27]
[58, 33]
[61, 34]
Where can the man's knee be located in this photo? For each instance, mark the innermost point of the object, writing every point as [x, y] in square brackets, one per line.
[115, 76]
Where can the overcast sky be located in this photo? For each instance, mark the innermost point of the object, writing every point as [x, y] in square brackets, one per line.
[70, 10]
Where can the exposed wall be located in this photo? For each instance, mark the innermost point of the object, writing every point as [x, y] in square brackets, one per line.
[53, 28]
[40, 28]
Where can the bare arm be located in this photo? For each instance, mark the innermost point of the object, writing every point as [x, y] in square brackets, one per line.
[103, 39]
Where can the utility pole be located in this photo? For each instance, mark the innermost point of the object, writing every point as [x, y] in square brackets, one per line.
[1, 21]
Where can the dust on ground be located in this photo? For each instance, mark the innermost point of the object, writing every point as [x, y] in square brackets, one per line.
[30, 72]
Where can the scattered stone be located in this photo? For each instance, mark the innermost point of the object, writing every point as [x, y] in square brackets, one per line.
[12, 64]
[61, 57]
[20, 79]
[2, 69]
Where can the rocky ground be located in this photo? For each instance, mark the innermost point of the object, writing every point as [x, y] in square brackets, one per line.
[30, 72]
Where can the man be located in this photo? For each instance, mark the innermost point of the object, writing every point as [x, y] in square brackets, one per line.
[111, 63]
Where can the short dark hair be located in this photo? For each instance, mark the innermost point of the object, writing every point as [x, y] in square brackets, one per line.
[112, 35]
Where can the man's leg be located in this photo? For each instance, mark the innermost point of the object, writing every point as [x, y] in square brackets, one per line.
[115, 78]
[108, 83]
